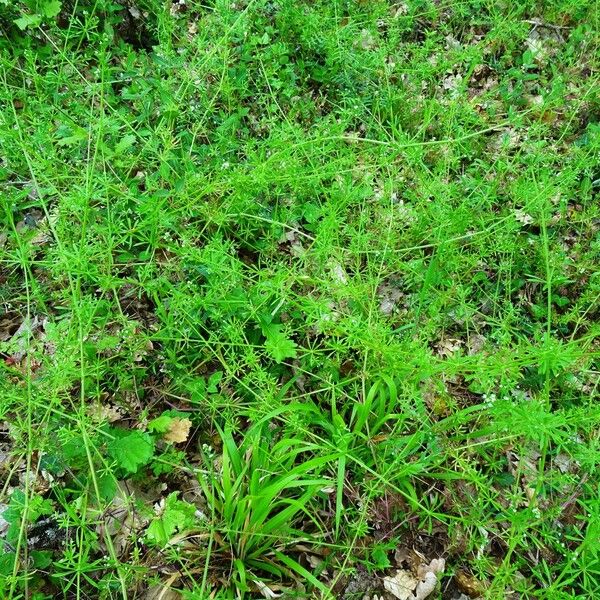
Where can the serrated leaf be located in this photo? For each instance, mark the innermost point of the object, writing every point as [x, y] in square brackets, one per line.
[132, 451]
[28, 21]
[277, 344]
[41, 558]
[107, 487]
[160, 424]
[213, 382]
[173, 425]
[36, 507]
[177, 516]
[126, 142]
[7, 563]
[380, 558]
[68, 136]
[280, 347]
[74, 452]
[51, 8]
[72, 139]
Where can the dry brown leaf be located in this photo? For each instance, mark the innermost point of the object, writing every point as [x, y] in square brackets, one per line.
[448, 346]
[426, 586]
[476, 343]
[118, 521]
[522, 217]
[105, 412]
[338, 273]
[401, 585]
[468, 584]
[265, 590]
[45, 227]
[163, 591]
[9, 324]
[563, 462]
[179, 430]
[367, 41]
[437, 565]
[405, 586]
[429, 578]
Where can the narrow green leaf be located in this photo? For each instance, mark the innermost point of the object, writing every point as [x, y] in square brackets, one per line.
[294, 566]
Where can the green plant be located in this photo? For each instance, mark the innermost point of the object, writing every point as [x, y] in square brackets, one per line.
[291, 289]
[254, 496]
[37, 11]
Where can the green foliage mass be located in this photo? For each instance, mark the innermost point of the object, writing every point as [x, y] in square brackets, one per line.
[290, 289]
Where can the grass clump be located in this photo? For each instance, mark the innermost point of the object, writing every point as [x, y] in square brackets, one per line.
[299, 299]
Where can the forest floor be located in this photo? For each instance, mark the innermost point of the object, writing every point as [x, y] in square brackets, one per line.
[299, 299]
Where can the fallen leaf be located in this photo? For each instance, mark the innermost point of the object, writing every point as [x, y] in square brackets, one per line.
[45, 228]
[389, 297]
[448, 346]
[265, 590]
[563, 462]
[467, 584]
[179, 430]
[367, 41]
[163, 591]
[452, 84]
[475, 344]
[402, 9]
[401, 585]
[119, 521]
[406, 587]
[426, 586]
[160, 592]
[338, 273]
[437, 565]
[28, 330]
[522, 217]
[102, 412]
[429, 578]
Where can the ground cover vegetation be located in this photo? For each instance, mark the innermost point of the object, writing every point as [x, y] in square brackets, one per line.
[298, 299]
